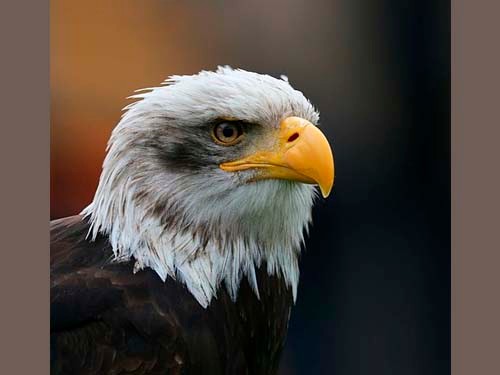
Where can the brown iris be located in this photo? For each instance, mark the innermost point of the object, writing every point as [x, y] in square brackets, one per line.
[227, 133]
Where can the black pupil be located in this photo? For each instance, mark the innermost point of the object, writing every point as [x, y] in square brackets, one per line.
[228, 131]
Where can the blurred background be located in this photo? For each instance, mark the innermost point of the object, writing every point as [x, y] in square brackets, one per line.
[374, 295]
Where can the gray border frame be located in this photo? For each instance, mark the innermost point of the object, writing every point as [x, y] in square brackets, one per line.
[24, 161]
[24, 165]
[475, 182]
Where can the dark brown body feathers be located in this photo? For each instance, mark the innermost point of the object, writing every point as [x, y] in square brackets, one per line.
[107, 320]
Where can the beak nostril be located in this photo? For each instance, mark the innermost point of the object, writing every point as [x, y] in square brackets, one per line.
[293, 137]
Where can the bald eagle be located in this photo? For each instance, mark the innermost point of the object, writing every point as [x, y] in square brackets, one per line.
[186, 260]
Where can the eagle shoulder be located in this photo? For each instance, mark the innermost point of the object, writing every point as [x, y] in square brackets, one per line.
[102, 320]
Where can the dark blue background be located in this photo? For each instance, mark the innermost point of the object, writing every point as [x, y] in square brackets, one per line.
[374, 295]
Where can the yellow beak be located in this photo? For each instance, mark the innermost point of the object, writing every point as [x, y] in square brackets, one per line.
[300, 153]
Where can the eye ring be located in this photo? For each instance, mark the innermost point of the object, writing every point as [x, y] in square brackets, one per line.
[227, 133]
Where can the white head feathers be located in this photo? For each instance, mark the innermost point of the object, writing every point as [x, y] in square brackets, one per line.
[163, 200]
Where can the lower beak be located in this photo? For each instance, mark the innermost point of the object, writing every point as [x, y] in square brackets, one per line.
[301, 153]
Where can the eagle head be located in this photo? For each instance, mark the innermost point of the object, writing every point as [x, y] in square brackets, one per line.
[211, 176]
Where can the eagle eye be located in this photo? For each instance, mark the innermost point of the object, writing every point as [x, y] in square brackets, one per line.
[227, 133]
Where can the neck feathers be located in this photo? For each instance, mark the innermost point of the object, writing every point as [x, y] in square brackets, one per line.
[212, 239]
